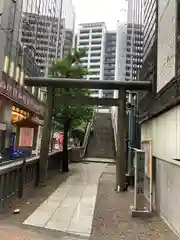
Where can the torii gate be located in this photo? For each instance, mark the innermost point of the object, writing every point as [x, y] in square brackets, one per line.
[121, 86]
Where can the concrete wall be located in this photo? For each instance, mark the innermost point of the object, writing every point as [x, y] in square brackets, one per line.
[167, 192]
[165, 133]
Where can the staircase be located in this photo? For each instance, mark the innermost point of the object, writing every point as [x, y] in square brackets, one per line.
[101, 142]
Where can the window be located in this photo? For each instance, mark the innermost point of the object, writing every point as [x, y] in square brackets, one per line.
[6, 64]
[95, 48]
[95, 54]
[84, 31]
[96, 36]
[97, 30]
[93, 73]
[94, 60]
[84, 38]
[94, 66]
[83, 43]
[22, 78]
[17, 73]
[91, 78]
[11, 70]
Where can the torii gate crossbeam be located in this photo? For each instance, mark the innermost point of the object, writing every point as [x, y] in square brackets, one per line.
[90, 84]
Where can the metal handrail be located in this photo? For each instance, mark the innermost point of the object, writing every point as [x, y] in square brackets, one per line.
[16, 164]
[86, 137]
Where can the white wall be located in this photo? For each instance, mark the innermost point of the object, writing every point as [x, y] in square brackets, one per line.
[165, 133]
[166, 42]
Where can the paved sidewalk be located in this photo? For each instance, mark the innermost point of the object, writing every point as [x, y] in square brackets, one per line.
[70, 208]
[112, 216]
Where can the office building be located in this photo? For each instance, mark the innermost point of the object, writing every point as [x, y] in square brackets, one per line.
[91, 36]
[129, 54]
[135, 36]
[109, 60]
[129, 43]
[47, 45]
[150, 17]
[134, 51]
[17, 103]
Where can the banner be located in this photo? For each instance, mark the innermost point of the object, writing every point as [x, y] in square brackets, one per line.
[26, 137]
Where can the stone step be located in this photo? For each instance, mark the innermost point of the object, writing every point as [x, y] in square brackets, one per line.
[101, 143]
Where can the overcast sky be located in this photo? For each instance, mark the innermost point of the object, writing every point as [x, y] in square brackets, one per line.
[108, 11]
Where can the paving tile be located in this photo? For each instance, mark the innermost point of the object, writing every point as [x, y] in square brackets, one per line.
[70, 208]
[80, 224]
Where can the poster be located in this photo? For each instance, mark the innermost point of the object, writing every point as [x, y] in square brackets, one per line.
[26, 137]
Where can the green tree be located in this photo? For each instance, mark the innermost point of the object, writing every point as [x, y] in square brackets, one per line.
[70, 115]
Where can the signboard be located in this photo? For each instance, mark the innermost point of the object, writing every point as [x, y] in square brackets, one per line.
[14, 91]
[146, 146]
[37, 120]
[166, 42]
[139, 156]
[26, 137]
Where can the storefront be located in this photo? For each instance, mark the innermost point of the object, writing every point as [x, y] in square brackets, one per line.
[20, 107]
[18, 114]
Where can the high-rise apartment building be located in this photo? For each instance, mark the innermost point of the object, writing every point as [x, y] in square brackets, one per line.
[110, 56]
[91, 36]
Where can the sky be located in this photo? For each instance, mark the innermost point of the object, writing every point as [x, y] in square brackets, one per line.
[108, 11]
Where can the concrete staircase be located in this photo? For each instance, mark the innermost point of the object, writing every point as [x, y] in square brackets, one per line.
[101, 142]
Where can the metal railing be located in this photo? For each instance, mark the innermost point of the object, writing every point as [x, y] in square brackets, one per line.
[86, 138]
[17, 175]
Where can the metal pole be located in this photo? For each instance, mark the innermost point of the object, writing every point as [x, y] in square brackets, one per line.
[121, 184]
